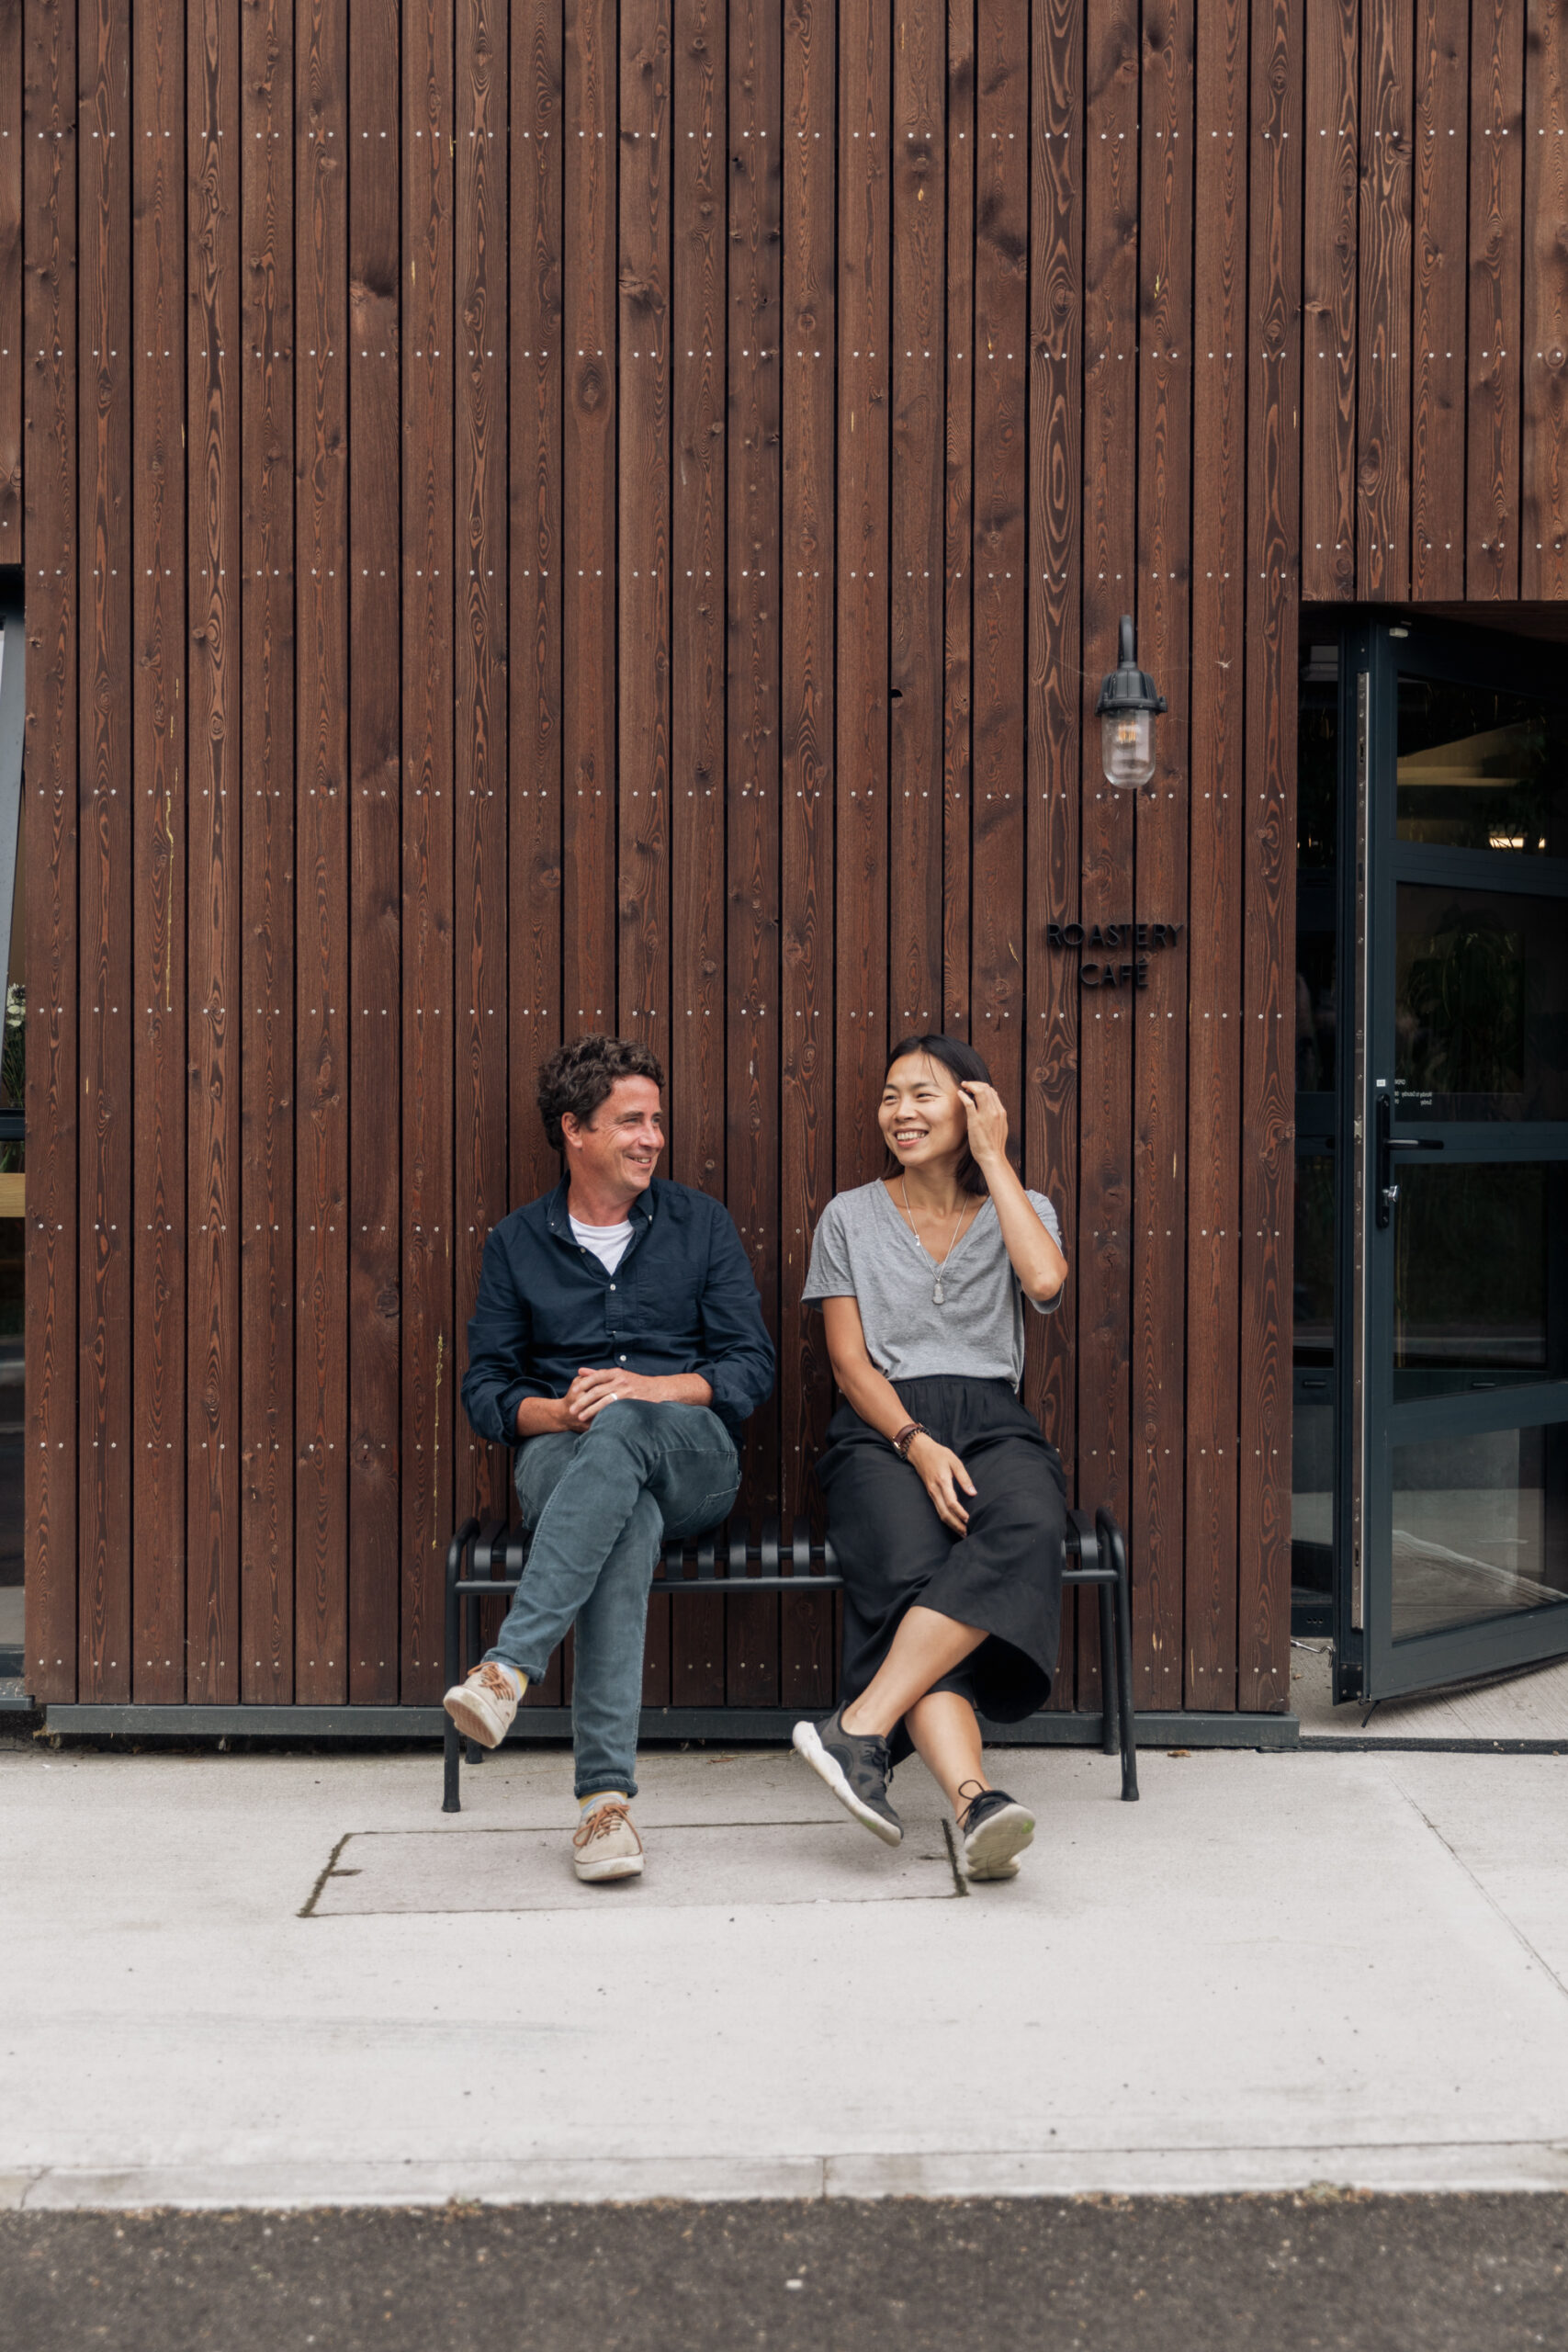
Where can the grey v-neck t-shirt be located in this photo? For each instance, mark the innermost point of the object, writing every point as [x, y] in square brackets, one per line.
[863, 1249]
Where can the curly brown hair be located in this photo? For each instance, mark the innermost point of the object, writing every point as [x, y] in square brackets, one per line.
[579, 1076]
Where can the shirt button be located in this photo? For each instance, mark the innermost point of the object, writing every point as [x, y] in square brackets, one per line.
[611, 1286]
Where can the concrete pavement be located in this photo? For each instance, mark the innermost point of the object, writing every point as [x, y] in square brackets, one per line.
[271, 1979]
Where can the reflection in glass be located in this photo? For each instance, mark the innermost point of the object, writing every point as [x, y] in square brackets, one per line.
[1311, 1411]
[13, 1038]
[1311, 1483]
[1481, 1005]
[1312, 1297]
[11, 1429]
[13, 1155]
[1471, 1287]
[1481, 770]
[1479, 1527]
[1318, 797]
[1315, 945]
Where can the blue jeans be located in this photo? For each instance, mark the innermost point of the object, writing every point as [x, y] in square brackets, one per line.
[600, 1507]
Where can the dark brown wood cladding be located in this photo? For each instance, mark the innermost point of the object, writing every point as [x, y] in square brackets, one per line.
[542, 514]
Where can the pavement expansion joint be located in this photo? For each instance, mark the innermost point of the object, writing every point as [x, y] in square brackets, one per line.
[733, 1864]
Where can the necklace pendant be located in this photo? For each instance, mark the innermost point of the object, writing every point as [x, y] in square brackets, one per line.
[936, 1294]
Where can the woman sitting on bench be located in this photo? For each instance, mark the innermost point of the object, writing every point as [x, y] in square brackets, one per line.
[946, 1504]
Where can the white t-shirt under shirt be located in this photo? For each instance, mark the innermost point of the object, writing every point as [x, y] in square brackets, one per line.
[863, 1249]
[608, 1242]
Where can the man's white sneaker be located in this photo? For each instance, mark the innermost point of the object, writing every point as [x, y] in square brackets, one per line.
[482, 1707]
[606, 1844]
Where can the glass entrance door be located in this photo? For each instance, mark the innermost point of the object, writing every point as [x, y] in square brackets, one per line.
[1454, 1392]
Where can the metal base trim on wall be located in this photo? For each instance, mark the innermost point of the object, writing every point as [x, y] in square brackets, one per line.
[772, 1725]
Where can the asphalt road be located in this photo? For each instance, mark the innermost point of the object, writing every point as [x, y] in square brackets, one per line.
[1339, 2271]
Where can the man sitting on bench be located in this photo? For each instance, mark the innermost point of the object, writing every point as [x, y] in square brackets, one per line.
[617, 1341]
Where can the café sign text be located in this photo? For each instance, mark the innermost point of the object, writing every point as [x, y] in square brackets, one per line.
[1113, 954]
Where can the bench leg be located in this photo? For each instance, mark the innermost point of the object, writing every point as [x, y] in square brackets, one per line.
[1116, 1547]
[451, 1802]
[457, 1551]
[1109, 1677]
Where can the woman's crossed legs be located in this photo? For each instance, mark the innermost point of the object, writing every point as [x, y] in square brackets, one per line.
[941, 1724]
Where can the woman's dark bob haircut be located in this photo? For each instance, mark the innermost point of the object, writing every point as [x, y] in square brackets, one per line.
[960, 1060]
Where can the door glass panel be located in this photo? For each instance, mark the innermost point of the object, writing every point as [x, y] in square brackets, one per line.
[1481, 1005]
[13, 1186]
[1473, 1275]
[1312, 1411]
[1312, 1403]
[1481, 770]
[11, 1431]
[1317, 801]
[1479, 1527]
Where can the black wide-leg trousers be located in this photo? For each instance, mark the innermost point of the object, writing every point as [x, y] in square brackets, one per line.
[1003, 1576]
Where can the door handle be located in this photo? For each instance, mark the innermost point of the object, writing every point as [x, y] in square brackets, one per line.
[1387, 1186]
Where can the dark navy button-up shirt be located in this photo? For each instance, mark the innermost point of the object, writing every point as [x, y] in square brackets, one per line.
[681, 1299]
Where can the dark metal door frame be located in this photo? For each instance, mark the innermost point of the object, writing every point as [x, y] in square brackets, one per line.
[1378, 1143]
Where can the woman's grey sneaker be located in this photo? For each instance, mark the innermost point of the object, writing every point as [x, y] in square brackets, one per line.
[605, 1845]
[855, 1769]
[995, 1829]
[482, 1707]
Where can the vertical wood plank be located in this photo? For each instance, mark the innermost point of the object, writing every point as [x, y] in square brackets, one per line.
[809, 591]
[1331, 167]
[58, 590]
[483, 1479]
[643, 568]
[215, 799]
[756, 121]
[1543, 500]
[105, 556]
[1159, 1045]
[1382, 548]
[917, 550]
[429, 1371]
[323, 1023]
[698, 174]
[1213, 952]
[534, 698]
[1001, 400]
[588, 551]
[642, 774]
[375, 813]
[12, 120]
[1496, 279]
[958, 619]
[1110, 510]
[861, 702]
[158, 835]
[1050, 1103]
[266, 839]
[1267, 1119]
[533, 703]
[698, 326]
[1437, 351]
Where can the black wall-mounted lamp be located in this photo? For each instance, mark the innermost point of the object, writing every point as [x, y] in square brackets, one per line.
[1128, 706]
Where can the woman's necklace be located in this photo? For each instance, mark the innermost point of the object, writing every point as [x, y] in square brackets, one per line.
[964, 1207]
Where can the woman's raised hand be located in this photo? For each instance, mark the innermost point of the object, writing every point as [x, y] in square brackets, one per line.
[941, 1474]
[986, 1114]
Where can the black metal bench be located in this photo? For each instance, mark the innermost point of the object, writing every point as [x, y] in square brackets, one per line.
[1096, 1554]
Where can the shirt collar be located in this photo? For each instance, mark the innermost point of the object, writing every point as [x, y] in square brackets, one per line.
[557, 1217]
